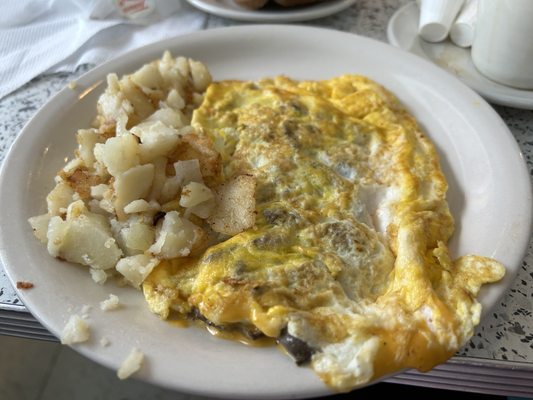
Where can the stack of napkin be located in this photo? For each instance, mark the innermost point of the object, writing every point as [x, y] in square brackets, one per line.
[56, 35]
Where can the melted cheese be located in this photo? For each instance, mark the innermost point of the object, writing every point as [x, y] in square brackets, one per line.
[348, 251]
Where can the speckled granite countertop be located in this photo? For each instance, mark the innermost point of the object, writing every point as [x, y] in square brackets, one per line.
[506, 336]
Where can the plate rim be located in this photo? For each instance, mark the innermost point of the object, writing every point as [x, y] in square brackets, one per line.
[273, 17]
[504, 99]
[93, 75]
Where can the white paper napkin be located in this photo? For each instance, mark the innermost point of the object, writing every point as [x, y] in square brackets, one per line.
[37, 36]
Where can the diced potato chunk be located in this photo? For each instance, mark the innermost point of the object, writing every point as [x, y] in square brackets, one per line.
[112, 103]
[160, 165]
[183, 66]
[98, 191]
[98, 275]
[169, 117]
[170, 189]
[87, 139]
[39, 225]
[137, 206]
[176, 238]
[202, 210]
[131, 185]
[131, 364]
[148, 77]
[59, 198]
[107, 206]
[157, 139]
[118, 154]
[201, 78]
[195, 193]
[75, 331]
[175, 100]
[111, 303]
[188, 171]
[134, 235]
[136, 268]
[84, 238]
[141, 102]
[72, 166]
[138, 236]
[57, 230]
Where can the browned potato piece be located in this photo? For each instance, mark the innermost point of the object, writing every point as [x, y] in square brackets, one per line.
[251, 4]
[195, 147]
[81, 180]
[235, 209]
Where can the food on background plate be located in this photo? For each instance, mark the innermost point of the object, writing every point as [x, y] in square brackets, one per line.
[292, 3]
[312, 213]
[256, 4]
[251, 4]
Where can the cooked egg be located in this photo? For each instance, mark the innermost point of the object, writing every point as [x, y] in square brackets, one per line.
[347, 264]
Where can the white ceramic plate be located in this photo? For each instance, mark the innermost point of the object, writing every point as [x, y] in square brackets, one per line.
[402, 33]
[229, 9]
[489, 195]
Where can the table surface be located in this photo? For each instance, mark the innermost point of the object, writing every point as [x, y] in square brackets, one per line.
[499, 357]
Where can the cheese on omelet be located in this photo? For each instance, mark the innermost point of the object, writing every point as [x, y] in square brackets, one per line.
[347, 264]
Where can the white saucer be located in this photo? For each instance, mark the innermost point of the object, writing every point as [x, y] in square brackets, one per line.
[229, 9]
[402, 33]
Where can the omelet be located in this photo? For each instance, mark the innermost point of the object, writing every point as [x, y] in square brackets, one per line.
[346, 266]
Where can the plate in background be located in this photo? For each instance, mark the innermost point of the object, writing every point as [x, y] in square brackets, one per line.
[229, 9]
[402, 33]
